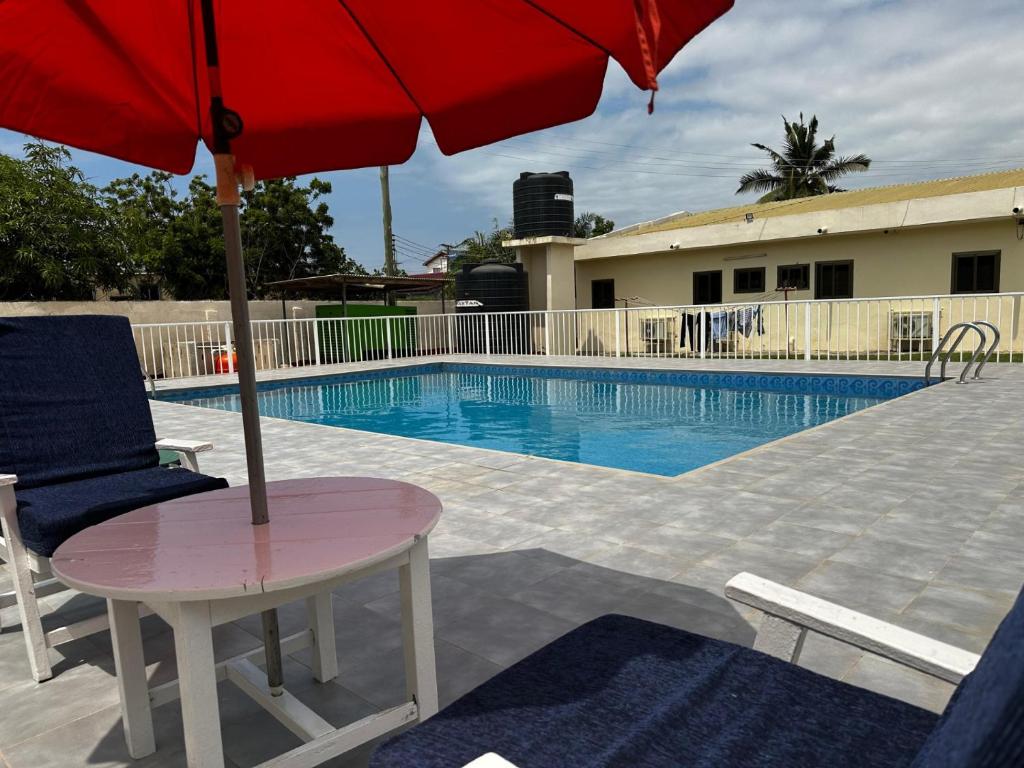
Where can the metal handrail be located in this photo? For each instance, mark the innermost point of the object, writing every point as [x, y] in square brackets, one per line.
[991, 349]
[964, 328]
[152, 382]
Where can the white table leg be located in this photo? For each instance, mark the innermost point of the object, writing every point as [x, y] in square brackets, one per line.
[321, 621]
[197, 678]
[130, 663]
[418, 630]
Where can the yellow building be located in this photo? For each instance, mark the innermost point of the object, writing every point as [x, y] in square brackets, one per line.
[820, 276]
[957, 236]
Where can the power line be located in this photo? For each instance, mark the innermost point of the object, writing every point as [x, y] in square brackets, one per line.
[893, 173]
[902, 174]
[413, 247]
[941, 165]
[721, 165]
[663, 148]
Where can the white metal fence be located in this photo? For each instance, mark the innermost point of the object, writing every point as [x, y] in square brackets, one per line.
[891, 328]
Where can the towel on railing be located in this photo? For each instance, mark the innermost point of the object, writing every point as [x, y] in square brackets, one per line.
[745, 321]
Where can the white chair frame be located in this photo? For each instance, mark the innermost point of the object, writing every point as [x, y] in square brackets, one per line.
[33, 579]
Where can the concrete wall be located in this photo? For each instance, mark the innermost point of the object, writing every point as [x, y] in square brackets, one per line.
[141, 312]
[902, 262]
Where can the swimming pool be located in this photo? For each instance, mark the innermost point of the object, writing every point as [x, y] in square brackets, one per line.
[660, 422]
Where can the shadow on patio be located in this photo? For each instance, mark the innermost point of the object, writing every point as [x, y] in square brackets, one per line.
[489, 611]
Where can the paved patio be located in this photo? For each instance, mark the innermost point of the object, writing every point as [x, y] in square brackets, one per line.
[912, 511]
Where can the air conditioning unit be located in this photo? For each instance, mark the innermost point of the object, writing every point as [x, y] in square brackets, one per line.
[656, 333]
[911, 331]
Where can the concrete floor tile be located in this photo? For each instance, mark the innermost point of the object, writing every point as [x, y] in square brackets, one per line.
[894, 557]
[877, 594]
[506, 631]
[801, 539]
[964, 609]
[891, 679]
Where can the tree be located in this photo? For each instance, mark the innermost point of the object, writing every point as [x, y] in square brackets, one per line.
[802, 168]
[191, 263]
[285, 234]
[483, 246]
[143, 208]
[589, 224]
[57, 240]
[180, 242]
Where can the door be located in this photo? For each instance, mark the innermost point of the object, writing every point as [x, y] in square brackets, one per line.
[707, 287]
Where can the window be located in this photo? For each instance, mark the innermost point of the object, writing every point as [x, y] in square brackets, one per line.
[749, 280]
[602, 294]
[707, 287]
[149, 292]
[976, 272]
[796, 277]
[833, 280]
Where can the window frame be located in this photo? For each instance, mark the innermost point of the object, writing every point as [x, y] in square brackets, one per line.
[749, 271]
[817, 278]
[974, 255]
[804, 285]
[609, 281]
[721, 287]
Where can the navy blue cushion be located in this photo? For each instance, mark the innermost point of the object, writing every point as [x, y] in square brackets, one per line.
[624, 692]
[50, 514]
[72, 400]
[983, 725]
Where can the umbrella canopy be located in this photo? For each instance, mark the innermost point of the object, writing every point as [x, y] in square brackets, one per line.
[322, 84]
[285, 87]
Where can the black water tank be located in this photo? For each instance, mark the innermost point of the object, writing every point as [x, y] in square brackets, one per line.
[489, 287]
[542, 204]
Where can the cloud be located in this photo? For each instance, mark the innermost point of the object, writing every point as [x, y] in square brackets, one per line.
[933, 82]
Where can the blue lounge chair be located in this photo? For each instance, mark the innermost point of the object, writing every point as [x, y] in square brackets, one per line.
[623, 692]
[77, 447]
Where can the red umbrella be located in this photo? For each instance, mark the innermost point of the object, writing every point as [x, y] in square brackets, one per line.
[276, 88]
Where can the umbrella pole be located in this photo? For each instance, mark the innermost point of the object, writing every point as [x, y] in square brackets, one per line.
[228, 200]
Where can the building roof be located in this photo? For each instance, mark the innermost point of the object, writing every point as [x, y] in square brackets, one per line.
[435, 257]
[852, 199]
[364, 282]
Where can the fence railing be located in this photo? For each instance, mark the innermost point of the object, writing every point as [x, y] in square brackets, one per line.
[890, 328]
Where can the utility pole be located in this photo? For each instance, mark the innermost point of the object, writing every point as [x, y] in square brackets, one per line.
[389, 239]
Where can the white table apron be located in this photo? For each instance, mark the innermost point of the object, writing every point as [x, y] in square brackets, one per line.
[198, 673]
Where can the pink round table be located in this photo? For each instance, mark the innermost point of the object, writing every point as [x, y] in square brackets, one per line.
[199, 562]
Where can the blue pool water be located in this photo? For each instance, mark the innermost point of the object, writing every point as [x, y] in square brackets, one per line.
[661, 423]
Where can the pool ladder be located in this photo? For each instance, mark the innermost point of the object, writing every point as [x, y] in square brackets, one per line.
[978, 359]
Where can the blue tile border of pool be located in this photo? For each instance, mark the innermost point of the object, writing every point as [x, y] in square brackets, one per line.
[886, 387]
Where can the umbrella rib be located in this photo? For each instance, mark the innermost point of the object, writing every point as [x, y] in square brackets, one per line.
[195, 70]
[380, 53]
[570, 27]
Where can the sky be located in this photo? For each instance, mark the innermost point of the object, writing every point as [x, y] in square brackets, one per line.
[927, 88]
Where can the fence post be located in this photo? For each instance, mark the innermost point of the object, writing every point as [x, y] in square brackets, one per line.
[618, 328]
[703, 315]
[487, 334]
[547, 333]
[936, 319]
[387, 333]
[807, 331]
[449, 322]
[316, 341]
[227, 345]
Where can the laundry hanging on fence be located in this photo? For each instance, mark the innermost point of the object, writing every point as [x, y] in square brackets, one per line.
[745, 320]
[690, 330]
[720, 323]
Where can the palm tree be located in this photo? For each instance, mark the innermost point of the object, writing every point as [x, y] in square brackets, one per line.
[802, 168]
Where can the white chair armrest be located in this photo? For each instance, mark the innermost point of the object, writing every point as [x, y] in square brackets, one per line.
[490, 760]
[908, 648]
[8, 480]
[188, 446]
